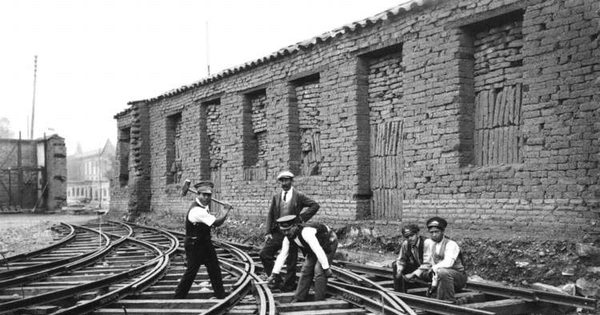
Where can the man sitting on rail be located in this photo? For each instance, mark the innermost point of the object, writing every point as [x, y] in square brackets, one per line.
[410, 257]
[318, 243]
[441, 258]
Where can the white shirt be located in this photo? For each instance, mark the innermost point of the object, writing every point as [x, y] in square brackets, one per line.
[310, 236]
[288, 196]
[450, 255]
[201, 214]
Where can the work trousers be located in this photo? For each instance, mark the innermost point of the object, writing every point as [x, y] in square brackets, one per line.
[401, 285]
[312, 268]
[198, 252]
[449, 281]
[268, 254]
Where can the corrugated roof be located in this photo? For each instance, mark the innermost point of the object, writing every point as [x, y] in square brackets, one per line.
[303, 45]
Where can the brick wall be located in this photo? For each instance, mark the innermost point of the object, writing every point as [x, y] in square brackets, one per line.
[484, 112]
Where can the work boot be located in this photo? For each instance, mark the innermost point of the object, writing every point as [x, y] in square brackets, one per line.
[461, 300]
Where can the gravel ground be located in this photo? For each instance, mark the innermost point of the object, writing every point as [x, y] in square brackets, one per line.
[21, 233]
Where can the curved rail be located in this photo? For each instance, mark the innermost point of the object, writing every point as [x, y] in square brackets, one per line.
[122, 262]
[484, 298]
[69, 235]
[139, 268]
[161, 264]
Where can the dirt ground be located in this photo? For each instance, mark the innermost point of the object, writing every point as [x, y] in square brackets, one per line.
[20, 233]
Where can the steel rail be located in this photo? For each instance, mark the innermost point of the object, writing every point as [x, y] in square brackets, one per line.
[143, 282]
[74, 290]
[373, 270]
[69, 237]
[43, 274]
[240, 268]
[391, 299]
[266, 304]
[531, 295]
[438, 306]
[15, 272]
[527, 295]
[267, 307]
[363, 301]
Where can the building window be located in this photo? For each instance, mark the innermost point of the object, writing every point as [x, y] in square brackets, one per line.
[210, 135]
[174, 169]
[123, 147]
[494, 60]
[305, 102]
[255, 135]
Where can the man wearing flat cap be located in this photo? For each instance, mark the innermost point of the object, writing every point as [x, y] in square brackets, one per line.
[288, 201]
[318, 243]
[409, 258]
[198, 244]
[443, 260]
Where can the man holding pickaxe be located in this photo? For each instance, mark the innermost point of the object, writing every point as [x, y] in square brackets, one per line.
[198, 245]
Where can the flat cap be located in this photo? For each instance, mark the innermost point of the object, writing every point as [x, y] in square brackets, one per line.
[287, 221]
[437, 222]
[205, 187]
[410, 229]
[285, 174]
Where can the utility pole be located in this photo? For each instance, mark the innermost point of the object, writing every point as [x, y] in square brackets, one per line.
[33, 105]
[207, 52]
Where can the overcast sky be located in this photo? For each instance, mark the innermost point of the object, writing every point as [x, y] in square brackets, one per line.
[95, 56]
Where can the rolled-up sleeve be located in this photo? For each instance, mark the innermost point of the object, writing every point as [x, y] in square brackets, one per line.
[310, 236]
[283, 254]
[200, 215]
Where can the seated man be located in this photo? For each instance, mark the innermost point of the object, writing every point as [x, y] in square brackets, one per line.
[441, 257]
[410, 257]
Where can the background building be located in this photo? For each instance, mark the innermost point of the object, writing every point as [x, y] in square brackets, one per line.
[89, 176]
[483, 112]
[33, 174]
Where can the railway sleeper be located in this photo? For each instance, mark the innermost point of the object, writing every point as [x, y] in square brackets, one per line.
[39, 310]
[310, 307]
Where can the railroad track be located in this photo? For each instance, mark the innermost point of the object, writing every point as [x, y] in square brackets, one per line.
[483, 298]
[117, 268]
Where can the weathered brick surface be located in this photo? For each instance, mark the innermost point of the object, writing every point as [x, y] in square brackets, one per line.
[535, 167]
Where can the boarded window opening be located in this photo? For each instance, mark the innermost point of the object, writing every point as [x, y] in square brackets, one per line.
[494, 55]
[305, 103]
[174, 169]
[124, 148]
[255, 135]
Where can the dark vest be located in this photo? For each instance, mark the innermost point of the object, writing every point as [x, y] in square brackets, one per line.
[198, 230]
[416, 261]
[323, 236]
[285, 208]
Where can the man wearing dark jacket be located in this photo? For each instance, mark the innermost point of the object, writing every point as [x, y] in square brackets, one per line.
[409, 258]
[288, 201]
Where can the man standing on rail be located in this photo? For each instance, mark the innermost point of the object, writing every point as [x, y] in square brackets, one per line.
[442, 258]
[318, 243]
[198, 245]
[288, 201]
[410, 257]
